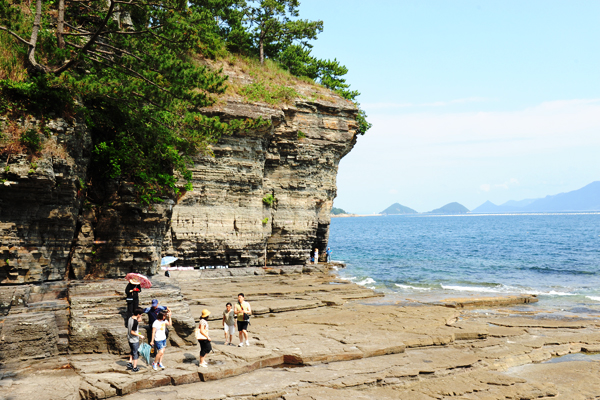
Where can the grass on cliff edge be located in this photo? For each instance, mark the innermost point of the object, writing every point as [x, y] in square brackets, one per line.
[12, 60]
[270, 83]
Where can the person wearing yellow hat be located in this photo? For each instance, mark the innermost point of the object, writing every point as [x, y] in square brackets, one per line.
[132, 292]
[204, 338]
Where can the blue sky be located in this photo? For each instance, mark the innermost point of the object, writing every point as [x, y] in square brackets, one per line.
[470, 100]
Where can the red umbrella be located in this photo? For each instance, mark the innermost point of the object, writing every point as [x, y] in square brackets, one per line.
[144, 281]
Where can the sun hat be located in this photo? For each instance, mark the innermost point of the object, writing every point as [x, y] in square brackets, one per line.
[154, 302]
[134, 281]
[205, 313]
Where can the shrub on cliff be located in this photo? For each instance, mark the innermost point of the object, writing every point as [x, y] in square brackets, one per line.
[130, 64]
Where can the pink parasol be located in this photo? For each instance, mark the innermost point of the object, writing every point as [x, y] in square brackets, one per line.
[144, 281]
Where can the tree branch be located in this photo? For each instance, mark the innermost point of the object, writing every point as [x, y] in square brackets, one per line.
[132, 73]
[90, 42]
[15, 35]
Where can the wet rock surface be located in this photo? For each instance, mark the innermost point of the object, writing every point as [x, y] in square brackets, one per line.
[316, 337]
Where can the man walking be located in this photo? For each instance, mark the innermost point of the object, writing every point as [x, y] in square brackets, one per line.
[328, 252]
[243, 311]
[134, 339]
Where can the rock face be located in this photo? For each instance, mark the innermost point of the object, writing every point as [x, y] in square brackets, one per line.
[49, 233]
[39, 205]
[225, 221]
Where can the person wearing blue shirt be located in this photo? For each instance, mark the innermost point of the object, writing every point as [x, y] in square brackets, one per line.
[153, 314]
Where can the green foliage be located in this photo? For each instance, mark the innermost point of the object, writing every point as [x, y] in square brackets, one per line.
[265, 220]
[274, 25]
[137, 85]
[337, 211]
[31, 140]
[301, 135]
[269, 92]
[269, 200]
[12, 58]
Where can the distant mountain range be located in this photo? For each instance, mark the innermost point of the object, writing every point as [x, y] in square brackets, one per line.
[451, 208]
[585, 199]
[397, 208]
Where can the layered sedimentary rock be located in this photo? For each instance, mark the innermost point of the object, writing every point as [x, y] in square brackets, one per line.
[225, 221]
[39, 204]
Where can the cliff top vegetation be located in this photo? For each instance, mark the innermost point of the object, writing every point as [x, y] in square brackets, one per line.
[133, 71]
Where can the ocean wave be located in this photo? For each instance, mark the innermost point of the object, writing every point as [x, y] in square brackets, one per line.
[480, 289]
[506, 289]
[347, 278]
[595, 298]
[366, 281]
[550, 293]
[412, 287]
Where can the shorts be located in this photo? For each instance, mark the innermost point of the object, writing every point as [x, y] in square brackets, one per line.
[242, 326]
[160, 344]
[230, 329]
[205, 347]
[134, 350]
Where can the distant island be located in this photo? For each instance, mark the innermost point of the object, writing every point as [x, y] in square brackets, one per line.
[396, 209]
[451, 208]
[585, 199]
[337, 211]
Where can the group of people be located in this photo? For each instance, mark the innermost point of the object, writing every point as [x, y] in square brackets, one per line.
[159, 319]
[314, 257]
[240, 312]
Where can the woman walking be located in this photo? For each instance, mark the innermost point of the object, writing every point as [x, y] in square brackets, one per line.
[203, 338]
[159, 336]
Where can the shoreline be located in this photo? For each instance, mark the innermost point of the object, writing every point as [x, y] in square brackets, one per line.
[315, 336]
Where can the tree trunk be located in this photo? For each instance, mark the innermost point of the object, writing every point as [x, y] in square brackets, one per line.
[34, 36]
[261, 50]
[60, 24]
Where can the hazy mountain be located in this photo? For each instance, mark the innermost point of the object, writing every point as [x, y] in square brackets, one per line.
[585, 199]
[519, 203]
[451, 208]
[397, 208]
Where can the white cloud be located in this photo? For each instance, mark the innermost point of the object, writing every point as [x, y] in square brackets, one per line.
[550, 125]
[393, 191]
[507, 184]
[438, 156]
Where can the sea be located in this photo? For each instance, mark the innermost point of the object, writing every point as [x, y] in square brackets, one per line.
[427, 257]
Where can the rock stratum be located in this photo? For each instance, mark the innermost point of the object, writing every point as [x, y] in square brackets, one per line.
[57, 225]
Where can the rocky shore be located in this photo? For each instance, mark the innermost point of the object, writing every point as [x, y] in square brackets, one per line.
[312, 336]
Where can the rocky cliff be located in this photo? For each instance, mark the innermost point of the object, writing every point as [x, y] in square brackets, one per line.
[225, 221]
[50, 231]
[264, 198]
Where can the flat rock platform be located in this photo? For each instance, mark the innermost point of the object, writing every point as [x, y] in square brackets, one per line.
[314, 336]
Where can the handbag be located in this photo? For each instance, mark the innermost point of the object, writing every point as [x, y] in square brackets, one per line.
[199, 335]
[145, 350]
